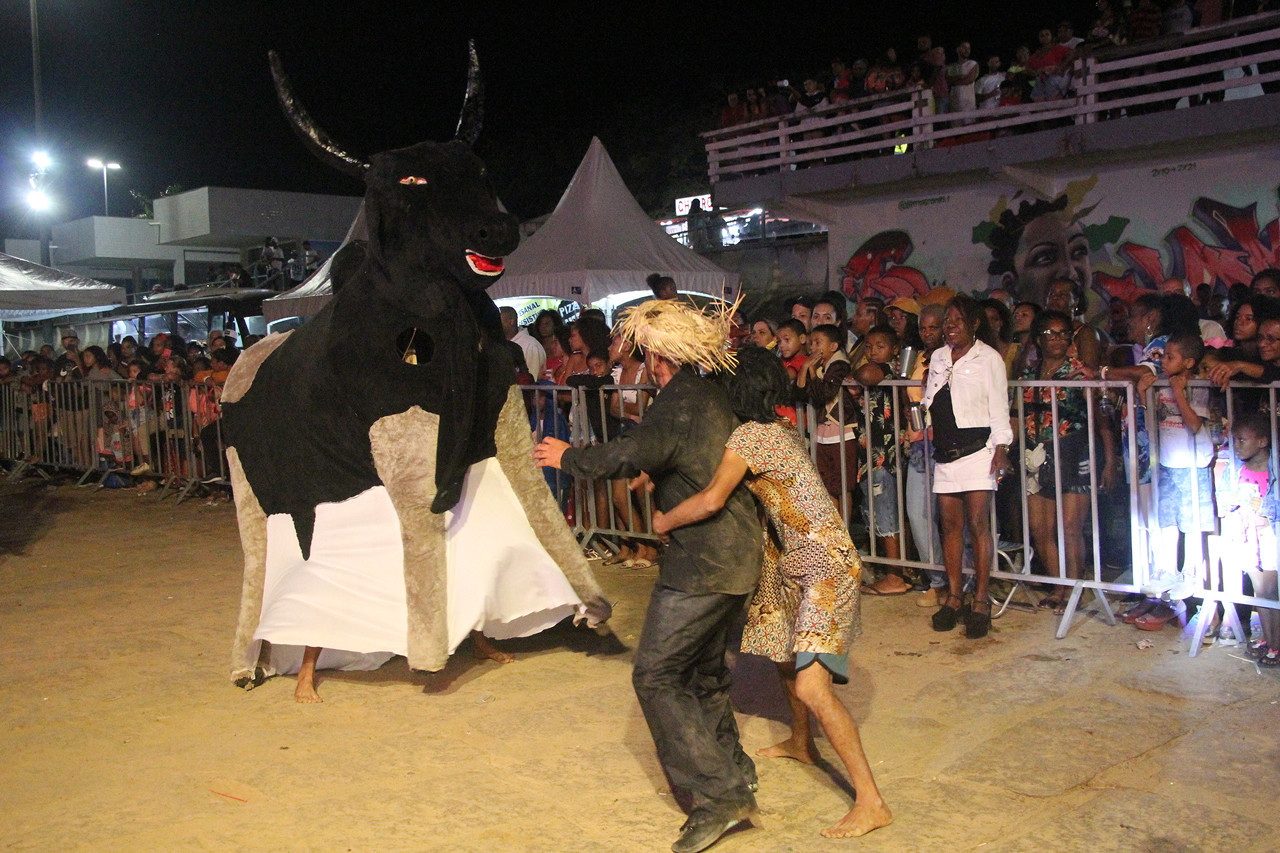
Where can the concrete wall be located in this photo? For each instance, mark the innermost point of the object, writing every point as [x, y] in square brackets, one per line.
[1119, 228]
[213, 215]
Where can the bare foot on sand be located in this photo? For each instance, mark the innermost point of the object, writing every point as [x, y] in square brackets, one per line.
[482, 649]
[305, 692]
[802, 752]
[860, 820]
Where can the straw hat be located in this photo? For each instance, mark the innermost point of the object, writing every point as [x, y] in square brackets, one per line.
[681, 333]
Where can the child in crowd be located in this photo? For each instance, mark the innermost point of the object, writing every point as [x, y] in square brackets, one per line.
[1185, 491]
[1249, 506]
[141, 407]
[604, 424]
[793, 340]
[821, 382]
[604, 427]
[880, 482]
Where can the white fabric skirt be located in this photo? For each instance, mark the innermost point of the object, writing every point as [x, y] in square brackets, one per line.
[970, 473]
[349, 597]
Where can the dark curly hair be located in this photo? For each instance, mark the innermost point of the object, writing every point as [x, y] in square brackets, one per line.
[1004, 238]
[757, 386]
[1178, 314]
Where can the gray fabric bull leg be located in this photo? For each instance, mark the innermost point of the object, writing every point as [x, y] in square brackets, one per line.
[515, 455]
[245, 669]
[404, 454]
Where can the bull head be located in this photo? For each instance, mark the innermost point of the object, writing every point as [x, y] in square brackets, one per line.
[430, 209]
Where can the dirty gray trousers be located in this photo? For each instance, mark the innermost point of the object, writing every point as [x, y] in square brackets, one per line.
[682, 683]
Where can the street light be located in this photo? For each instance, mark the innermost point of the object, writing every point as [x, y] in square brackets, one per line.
[39, 201]
[95, 163]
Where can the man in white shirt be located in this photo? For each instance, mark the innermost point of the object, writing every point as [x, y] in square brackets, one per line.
[987, 88]
[960, 77]
[535, 357]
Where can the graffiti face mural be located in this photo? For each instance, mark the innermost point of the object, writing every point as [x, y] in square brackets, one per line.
[1050, 248]
[1113, 235]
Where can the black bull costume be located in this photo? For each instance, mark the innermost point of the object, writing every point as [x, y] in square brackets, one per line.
[401, 381]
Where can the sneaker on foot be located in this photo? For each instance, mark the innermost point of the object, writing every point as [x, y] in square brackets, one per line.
[1227, 637]
[1161, 582]
[139, 470]
[1184, 588]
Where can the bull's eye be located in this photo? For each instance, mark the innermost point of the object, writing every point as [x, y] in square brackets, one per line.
[413, 180]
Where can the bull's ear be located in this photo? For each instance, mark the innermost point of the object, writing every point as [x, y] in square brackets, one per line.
[472, 117]
[312, 134]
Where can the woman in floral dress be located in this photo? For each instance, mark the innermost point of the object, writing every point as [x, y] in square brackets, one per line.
[805, 610]
[1051, 338]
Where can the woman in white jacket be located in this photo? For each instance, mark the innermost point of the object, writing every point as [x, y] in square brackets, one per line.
[967, 397]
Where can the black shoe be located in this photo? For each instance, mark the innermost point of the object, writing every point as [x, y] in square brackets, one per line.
[976, 624]
[701, 835]
[948, 616]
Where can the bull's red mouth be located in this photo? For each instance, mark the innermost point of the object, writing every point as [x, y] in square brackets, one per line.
[483, 264]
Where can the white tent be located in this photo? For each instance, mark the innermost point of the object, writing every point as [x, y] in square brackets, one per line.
[599, 242]
[33, 292]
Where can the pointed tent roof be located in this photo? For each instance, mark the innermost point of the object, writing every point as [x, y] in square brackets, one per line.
[599, 242]
[30, 291]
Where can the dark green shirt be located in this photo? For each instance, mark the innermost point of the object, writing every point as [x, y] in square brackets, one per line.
[679, 444]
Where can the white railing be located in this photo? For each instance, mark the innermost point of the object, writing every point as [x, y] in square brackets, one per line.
[1109, 84]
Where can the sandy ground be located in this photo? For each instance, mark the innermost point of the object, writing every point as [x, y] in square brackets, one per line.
[119, 729]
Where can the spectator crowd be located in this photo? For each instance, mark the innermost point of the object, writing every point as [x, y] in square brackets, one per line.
[1180, 349]
[908, 410]
[955, 78]
[138, 413]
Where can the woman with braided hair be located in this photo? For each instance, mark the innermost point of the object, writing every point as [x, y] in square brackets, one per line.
[1036, 244]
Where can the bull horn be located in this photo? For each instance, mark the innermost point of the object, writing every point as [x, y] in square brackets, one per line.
[312, 134]
[472, 117]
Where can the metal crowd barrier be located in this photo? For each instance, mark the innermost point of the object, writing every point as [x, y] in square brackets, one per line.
[171, 433]
[165, 432]
[602, 514]
[1118, 561]
[1120, 525]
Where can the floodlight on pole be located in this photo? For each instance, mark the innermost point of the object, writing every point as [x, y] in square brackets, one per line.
[41, 160]
[38, 200]
[95, 163]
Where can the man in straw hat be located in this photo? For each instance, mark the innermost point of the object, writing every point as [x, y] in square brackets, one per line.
[707, 569]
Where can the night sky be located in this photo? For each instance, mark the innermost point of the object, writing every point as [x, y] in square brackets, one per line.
[179, 93]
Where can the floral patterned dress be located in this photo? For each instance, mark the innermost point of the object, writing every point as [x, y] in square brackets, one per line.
[807, 599]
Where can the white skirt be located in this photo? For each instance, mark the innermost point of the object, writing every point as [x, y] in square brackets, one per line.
[349, 597]
[970, 473]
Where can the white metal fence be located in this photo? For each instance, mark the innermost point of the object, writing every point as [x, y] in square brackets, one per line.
[170, 434]
[1240, 58]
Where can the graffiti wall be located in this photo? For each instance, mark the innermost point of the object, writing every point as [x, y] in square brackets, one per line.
[1118, 231]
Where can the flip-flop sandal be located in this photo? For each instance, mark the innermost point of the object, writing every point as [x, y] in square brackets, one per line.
[1271, 657]
[1257, 647]
[1137, 611]
[640, 563]
[871, 590]
[1154, 621]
